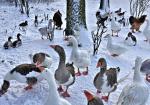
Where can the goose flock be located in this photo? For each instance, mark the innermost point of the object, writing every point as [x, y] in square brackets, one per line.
[105, 81]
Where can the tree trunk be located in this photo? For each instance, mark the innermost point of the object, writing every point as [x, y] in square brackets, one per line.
[82, 14]
[70, 17]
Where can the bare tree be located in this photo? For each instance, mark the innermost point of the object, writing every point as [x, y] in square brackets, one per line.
[97, 38]
[138, 7]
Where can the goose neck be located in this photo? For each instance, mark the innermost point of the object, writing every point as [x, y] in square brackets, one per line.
[109, 42]
[102, 70]
[147, 25]
[137, 74]
[53, 94]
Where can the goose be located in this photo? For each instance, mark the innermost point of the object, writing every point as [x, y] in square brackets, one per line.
[17, 42]
[8, 43]
[92, 99]
[130, 40]
[19, 74]
[53, 95]
[145, 68]
[115, 27]
[105, 80]
[137, 92]
[146, 31]
[41, 59]
[80, 58]
[114, 50]
[65, 74]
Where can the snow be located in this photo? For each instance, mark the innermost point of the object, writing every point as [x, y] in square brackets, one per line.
[32, 43]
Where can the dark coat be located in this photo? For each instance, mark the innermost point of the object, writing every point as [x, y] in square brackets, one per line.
[57, 19]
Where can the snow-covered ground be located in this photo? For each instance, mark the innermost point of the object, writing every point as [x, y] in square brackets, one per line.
[32, 42]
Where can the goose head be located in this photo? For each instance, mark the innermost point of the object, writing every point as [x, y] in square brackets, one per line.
[71, 39]
[88, 95]
[9, 38]
[18, 36]
[57, 48]
[101, 63]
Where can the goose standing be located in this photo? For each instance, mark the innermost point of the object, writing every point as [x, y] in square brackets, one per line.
[41, 59]
[8, 44]
[105, 80]
[17, 42]
[115, 50]
[19, 74]
[53, 95]
[146, 31]
[92, 100]
[145, 68]
[137, 92]
[65, 74]
[115, 27]
[130, 39]
[80, 58]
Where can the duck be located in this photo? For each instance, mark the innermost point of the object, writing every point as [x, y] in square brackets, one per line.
[115, 26]
[146, 31]
[92, 99]
[19, 74]
[114, 50]
[53, 97]
[42, 59]
[80, 58]
[137, 92]
[64, 74]
[145, 68]
[8, 44]
[130, 39]
[17, 42]
[105, 81]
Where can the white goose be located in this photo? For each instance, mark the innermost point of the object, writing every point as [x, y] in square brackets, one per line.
[146, 31]
[53, 96]
[80, 58]
[137, 92]
[115, 50]
[115, 27]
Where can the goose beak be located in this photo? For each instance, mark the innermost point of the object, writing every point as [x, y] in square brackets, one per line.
[98, 65]
[88, 95]
[52, 46]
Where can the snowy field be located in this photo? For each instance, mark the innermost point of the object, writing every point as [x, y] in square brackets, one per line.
[32, 43]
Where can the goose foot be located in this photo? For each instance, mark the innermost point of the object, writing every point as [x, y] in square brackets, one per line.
[60, 89]
[65, 94]
[78, 73]
[114, 55]
[29, 87]
[85, 73]
[105, 98]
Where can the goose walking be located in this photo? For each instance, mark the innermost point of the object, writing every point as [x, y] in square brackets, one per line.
[65, 74]
[105, 80]
[80, 58]
[115, 50]
[19, 74]
[137, 92]
[146, 31]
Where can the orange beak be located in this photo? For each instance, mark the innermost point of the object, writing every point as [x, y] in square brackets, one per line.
[88, 95]
[52, 46]
[99, 64]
